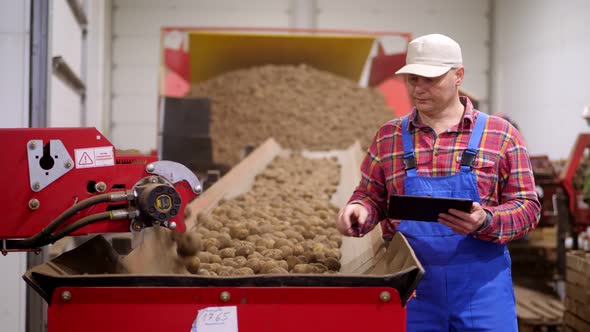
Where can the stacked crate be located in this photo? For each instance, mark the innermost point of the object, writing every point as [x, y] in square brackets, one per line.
[577, 300]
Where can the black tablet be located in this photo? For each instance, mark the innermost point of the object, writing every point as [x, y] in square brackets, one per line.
[424, 208]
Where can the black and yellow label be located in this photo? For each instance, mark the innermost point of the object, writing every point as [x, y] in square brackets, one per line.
[163, 203]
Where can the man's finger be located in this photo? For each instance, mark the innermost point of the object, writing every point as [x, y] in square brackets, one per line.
[454, 227]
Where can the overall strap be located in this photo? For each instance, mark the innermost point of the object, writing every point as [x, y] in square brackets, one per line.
[473, 146]
[409, 158]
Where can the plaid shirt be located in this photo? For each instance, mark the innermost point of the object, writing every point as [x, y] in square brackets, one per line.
[502, 168]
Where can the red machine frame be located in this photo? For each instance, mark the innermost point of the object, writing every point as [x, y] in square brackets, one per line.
[31, 210]
[99, 309]
[580, 214]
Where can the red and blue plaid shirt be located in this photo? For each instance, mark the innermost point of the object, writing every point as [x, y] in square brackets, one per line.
[502, 168]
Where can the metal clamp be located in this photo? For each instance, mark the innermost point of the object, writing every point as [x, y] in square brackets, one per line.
[175, 172]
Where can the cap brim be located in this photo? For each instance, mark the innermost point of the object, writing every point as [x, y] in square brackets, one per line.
[424, 70]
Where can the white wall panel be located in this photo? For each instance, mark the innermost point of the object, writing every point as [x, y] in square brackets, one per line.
[66, 35]
[466, 21]
[147, 47]
[14, 109]
[541, 67]
[14, 81]
[128, 23]
[133, 110]
[132, 136]
[98, 70]
[64, 110]
[136, 28]
[135, 80]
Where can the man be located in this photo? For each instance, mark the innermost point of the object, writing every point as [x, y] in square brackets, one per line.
[445, 148]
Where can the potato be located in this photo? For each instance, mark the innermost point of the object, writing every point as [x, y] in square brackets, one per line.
[293, 235]
[238, 231]
[307, 234]
[292, 261]
[214, 267]
[187, 244]
[279, 235]
[332, 264]
[275, 254]
[235, 262]
[255, 254]
[253, 238]
[227, 252]
[213, 250]
[303, 268]
[215, 259]
[244, 271]
[226, 271]
[333, 253]
[213, 225]
[277, 270]
[267, 265]
[303, 259]
[204, 273]
[297, 249]
[283, 265]
[266, 242]
[282, 242]
[286, 251]
[204, 256]
[255, 264]
[214, 234]
[193, 264]
[210, 242]
[244, 251]
[224, 241]
[320, 268]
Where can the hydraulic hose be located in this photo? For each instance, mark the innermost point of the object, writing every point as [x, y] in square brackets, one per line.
[110, 215]
[32, 242]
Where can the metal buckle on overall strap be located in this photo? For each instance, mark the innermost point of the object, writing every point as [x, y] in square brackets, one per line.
[409, 161]
[468, 157]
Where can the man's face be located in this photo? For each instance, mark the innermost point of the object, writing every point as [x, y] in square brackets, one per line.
[431, 94]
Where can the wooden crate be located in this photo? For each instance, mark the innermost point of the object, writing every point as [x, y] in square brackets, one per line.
[576, 323]
[577, 288]
[538, 311]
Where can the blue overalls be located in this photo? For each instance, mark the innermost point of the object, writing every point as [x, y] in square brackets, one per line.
[467, 285]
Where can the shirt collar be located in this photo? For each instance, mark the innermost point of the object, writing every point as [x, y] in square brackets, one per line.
[466, 123]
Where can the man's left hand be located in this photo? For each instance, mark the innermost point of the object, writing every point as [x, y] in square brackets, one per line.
[464, 222]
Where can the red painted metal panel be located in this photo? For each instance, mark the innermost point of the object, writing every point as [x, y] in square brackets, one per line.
[581, 215]
[396, 96]
[19, 221]
[259, 309]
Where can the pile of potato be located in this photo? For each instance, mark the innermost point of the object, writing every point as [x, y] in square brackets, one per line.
[284, 224]
[299, 106]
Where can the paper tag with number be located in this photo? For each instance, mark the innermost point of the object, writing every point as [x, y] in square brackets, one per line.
[216, 319]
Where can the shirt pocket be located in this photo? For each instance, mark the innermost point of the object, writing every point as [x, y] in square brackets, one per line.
[482, 161]
[486, 171]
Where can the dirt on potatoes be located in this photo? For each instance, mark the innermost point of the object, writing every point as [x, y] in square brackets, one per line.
[299, 106]
[284, 224]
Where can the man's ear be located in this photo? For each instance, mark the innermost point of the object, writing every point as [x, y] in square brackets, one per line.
[459, 74]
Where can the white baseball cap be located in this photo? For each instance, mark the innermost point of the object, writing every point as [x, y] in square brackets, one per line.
[432, 56]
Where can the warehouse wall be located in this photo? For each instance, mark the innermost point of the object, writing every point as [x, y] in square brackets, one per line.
[98, 69]
[541, 69]
[65, 105]
[136, 30]
[466, 21]
[14, 112]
